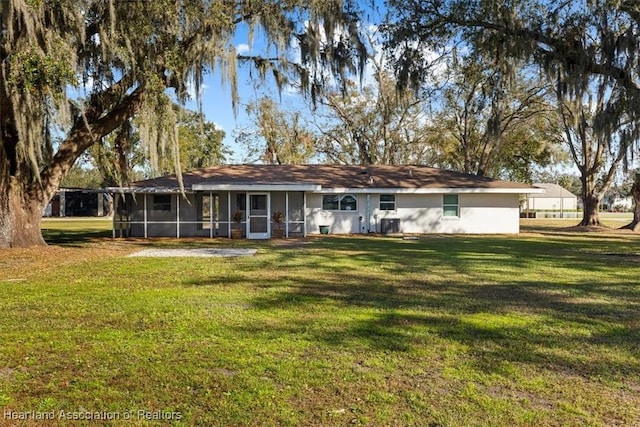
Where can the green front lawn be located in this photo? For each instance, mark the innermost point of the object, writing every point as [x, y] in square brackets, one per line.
[536, 329]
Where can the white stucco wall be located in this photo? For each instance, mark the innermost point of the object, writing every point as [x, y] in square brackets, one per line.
[421, 213]
[340, 222]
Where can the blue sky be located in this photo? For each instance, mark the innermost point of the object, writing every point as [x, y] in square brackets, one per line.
[217, 100]
[216, 97]
[217, 108]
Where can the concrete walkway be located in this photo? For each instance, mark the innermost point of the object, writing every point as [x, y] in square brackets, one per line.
[194, 252]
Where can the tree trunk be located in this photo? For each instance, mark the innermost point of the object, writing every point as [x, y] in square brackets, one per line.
[590, 215]
[20, 216]
[590, 202]
[23, 195]
[635, 193]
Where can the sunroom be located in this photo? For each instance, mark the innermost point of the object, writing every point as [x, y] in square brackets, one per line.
[208, 210]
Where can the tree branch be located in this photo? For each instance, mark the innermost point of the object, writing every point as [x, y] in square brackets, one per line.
[86, 132]
[559, 49]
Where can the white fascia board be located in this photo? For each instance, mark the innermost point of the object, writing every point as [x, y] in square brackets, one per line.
[478, 190]
[147, 190]
[256, 187]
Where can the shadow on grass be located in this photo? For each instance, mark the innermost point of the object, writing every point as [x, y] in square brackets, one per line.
[394, 295]
[74, 238]
[530, 323]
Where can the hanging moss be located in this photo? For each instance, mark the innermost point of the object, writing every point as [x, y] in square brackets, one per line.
[135, 58]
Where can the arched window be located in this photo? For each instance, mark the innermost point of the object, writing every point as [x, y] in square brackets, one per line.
[348, 202]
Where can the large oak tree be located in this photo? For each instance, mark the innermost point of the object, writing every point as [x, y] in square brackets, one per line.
[587, 48]
[80, 69]
[373, 124]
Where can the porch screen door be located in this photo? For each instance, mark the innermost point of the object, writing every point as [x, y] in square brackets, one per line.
[258, 223]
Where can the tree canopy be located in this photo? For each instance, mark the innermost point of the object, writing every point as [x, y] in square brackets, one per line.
[588, 49]
[372, 124]
[277, 136]
[83, 68]
[495, 125]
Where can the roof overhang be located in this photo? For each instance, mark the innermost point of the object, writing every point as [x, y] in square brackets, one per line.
[315, 188]
[143, 190]
[257, 187]
[477, 190]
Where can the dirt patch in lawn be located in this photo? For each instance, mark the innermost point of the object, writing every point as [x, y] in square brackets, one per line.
[19, 264]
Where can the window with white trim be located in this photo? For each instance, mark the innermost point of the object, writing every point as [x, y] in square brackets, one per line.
[334, 202]
[450, 206]
[387, 202]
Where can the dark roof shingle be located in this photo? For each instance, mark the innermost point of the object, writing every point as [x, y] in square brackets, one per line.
[332, 176]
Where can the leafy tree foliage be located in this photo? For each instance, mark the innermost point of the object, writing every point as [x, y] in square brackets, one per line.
[200, 142]
[82, 177]
[277, 136]
[589, 49]
[597, 154]
[494, 124]
[130, 58]
[118, 155]
[374, 124]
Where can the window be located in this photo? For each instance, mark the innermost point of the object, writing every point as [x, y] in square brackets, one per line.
[258, 203]
[162, 202]
[387, 202]
[450, 205]
[348, 202]
[330, 203]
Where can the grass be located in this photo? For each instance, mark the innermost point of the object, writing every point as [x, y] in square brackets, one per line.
[613, 220]
[536, 329]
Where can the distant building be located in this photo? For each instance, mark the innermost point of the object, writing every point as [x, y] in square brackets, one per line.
[78, 202]
[617, 203]
[554, 198]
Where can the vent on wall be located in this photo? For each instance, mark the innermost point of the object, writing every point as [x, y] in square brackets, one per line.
[390, 225]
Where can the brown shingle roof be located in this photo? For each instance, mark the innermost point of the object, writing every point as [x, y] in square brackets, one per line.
[332, 176]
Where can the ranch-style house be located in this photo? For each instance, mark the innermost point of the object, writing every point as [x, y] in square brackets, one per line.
[311, 199]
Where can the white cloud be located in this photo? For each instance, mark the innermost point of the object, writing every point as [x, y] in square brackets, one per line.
[243, 48]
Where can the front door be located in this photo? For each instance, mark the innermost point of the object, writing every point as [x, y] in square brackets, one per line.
[258, 224]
